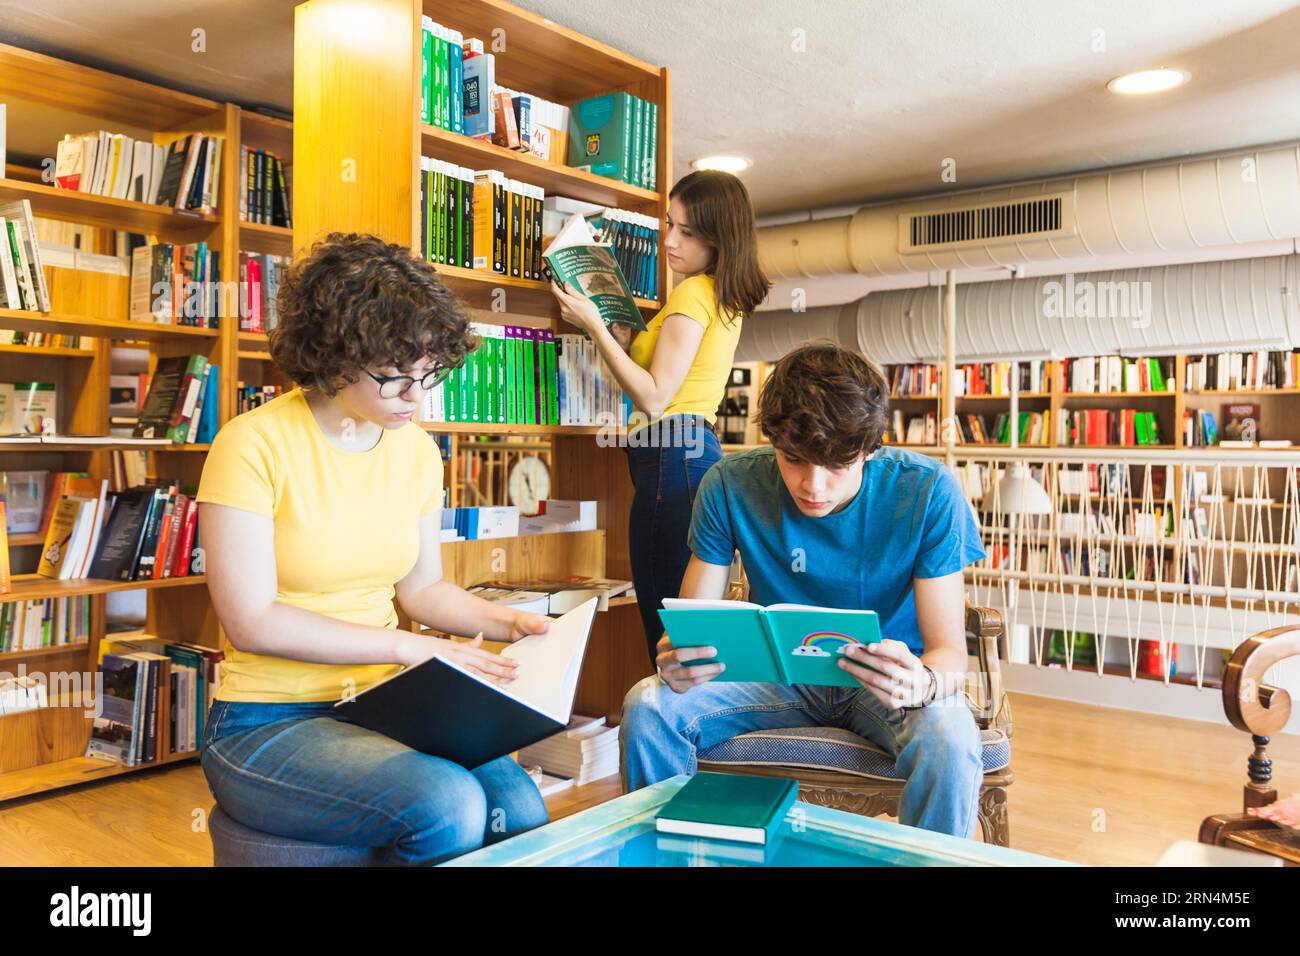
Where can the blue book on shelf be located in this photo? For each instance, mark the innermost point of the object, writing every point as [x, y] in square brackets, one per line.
[208, 413]
[780, 644]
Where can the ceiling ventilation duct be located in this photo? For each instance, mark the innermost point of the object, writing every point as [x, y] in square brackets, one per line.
[1211, 306]
[1184, 206]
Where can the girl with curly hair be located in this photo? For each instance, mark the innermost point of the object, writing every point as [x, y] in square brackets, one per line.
[318, 509]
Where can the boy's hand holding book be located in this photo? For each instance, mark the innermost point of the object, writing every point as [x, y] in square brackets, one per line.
[675, 668]
[896, 677]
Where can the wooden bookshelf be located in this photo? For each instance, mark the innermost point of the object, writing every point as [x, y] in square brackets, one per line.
[360, 101]
[43, 749]
[1278, 410]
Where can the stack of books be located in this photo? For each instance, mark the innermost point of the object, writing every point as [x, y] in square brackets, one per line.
[184, 175]
[22, 276]
[177, 285]
[587, 751]
[447, 226]
[265, 196]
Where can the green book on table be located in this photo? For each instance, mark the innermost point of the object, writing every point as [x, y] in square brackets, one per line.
[728, 806]
[780, 644]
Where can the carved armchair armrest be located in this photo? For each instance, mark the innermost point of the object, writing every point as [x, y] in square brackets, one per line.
[993, 708]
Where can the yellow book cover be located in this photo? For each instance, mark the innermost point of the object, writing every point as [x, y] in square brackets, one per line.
[5, 584]
[59, 537]
[482, 252]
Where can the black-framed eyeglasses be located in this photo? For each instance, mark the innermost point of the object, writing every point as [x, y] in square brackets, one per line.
[391, 386]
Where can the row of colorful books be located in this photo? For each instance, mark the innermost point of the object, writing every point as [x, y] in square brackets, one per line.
[248, 397]
[459, 92]
[1227, 371]
[994, 378]
[149, 532]
[177, 285]
[141, 676]
[264, 197]
[1117, 373]
[259, 288]
[185, 174]
[909, 381]
[1108, 426]
[182, 401]
[524, 376]
[22, 277]
[1034, 429]
[44, 622]
[635, 239]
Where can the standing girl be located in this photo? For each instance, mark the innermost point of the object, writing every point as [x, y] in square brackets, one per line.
[676, 372]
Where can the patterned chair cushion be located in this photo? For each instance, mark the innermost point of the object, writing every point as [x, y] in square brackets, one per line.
[834, 749]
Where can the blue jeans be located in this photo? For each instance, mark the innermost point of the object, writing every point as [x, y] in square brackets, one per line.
[294, 770]
[665, 474]
[937, 748]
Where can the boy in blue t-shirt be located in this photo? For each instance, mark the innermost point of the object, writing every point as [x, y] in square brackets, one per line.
[828, 516]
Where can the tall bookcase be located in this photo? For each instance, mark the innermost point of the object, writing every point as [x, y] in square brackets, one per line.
[358, 140]
[41, 750]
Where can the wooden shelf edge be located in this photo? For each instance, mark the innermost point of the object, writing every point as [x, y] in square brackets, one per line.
[42, 778]
[32, 586]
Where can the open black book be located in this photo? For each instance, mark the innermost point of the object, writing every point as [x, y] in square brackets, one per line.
[440, 708]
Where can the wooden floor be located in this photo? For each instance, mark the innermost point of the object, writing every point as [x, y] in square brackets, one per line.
[1094, 785]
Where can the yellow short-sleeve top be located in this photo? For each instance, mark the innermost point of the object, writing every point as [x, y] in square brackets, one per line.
[346, 531]
[706, 382]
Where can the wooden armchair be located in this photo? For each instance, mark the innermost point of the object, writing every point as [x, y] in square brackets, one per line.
[1260, 710]
[837, 768]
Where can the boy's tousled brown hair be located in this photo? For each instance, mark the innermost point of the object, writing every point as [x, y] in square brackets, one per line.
[824, 404]
[720, 214]
[354, 302]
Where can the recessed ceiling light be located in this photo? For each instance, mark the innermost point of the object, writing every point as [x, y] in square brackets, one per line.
[1148, 81]
[728, 164]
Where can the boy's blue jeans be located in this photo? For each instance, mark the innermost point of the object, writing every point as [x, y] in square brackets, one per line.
[294, 770]
[937, 748]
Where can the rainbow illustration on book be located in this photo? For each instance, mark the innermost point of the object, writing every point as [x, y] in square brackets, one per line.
[824, 644]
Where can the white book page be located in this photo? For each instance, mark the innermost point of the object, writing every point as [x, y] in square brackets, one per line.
[810, 607]
[549, 664]
[700, 604]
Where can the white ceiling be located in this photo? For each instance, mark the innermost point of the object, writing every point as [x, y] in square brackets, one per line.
[882, 93]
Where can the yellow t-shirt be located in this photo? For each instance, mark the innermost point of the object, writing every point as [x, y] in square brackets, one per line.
[346, 531]
[706, 381]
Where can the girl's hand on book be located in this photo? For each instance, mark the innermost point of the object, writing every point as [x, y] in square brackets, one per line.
[675, 669]
[577, 310]
[469, 655]
[889, 669]
[526, 623]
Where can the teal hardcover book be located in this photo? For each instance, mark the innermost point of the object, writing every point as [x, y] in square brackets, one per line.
[728, 806]
[781, 644]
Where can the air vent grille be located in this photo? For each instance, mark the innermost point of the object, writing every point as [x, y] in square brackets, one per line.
[1023, 218]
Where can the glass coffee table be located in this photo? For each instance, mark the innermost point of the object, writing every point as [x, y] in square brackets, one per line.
[622, 832]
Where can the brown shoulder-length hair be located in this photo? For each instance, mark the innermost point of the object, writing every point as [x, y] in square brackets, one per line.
[355, 301]
[824, 404]
[718, 210]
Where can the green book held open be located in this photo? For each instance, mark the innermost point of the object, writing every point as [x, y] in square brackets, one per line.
[780, 644]
[576, 260]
